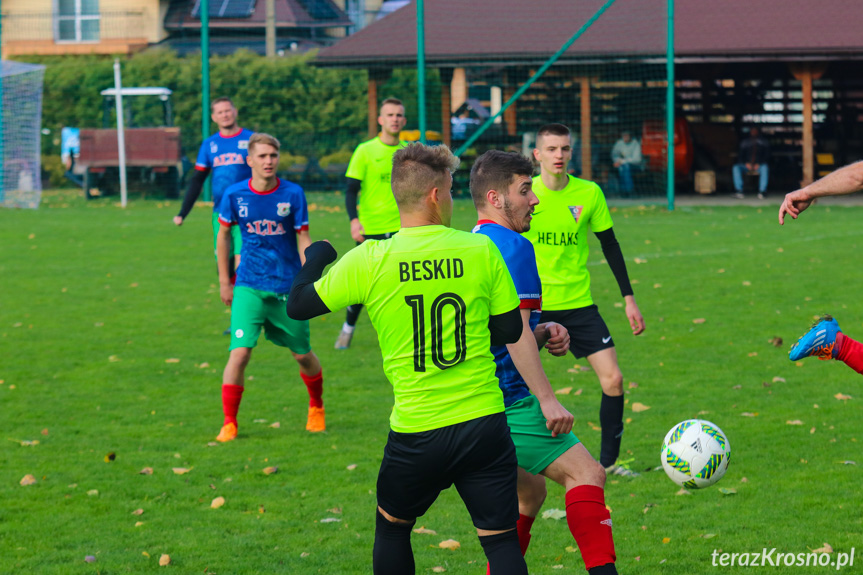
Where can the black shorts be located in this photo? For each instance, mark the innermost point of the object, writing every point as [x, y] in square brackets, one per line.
[588, 333]
[476, 456]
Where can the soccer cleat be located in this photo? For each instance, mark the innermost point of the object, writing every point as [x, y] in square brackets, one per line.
[316, 422]
[228, 432]
[819, 341]
[621, 468]
[344, 339]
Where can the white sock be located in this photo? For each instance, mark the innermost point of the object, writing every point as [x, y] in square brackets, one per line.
[348, 328]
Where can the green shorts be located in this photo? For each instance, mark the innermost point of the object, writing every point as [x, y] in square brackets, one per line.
[236, 236]
[535, 448]
[253, 309]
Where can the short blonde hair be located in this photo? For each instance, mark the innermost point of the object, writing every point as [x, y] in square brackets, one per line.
[262, 138]
[418, 168]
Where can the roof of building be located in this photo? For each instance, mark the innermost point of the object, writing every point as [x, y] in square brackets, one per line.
[458, 32]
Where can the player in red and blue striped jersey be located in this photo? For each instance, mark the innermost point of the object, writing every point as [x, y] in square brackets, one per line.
[500, 184]
[273, 218]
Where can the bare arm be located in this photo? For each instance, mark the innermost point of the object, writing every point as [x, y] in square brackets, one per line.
[304, 240]
[223, 261]
[525, 355]
[843, 181]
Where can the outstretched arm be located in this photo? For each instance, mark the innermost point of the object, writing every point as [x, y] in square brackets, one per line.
[525, 356]
[843, 181]
[192, 193]
[614, 257]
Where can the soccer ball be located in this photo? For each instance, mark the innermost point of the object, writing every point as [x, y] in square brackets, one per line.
[695, 453]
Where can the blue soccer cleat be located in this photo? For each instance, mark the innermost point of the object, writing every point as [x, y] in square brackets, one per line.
[819, 341]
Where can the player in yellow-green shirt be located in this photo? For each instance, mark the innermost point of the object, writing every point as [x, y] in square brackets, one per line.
[438, 298]
[568, 207]
[375, 216]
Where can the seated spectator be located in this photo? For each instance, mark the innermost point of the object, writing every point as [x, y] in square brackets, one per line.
[626, 156]
[753, 156]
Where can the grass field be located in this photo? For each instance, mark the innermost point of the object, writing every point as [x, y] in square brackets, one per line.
[111, 342]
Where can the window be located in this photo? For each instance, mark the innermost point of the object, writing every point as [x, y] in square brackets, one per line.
[77, 21]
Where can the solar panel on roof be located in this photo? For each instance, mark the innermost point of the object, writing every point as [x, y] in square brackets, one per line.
[319, 9]
[226, 8]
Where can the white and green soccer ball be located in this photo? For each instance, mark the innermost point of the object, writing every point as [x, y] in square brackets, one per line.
[695, 453]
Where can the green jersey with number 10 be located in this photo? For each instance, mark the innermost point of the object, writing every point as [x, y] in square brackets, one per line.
[429, 291]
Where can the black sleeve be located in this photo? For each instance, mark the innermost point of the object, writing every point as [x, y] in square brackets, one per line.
[195, 186]
[614, 257]
[506, 327]
[351, 196]
[303, 301]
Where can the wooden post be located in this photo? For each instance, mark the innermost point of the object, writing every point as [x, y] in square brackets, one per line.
[458, 88]
[271, 28]
[808, 138]
[446, 77]
[586, 156]
[377, 76]
[807, 72]
[510, 120]
[373, 105]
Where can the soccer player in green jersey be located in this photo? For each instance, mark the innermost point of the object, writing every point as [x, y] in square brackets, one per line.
[377, 216]
[569, 206]
[438, 299]
[500, 184]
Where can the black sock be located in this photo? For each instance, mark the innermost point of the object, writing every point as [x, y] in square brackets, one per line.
[392, 554]
[353, 314]
[503, 553]
[611, 421]
[607, 569]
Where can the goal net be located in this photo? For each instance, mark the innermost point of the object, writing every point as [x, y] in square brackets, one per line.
[20, 125]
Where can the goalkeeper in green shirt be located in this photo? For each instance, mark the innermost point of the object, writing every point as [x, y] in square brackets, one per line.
[569, 207]
[369, 198]
[438, 298]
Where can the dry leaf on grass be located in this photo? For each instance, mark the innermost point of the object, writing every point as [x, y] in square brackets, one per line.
[146, 471]
[727, 491]
[826, 549]
[639, 407]
[563, 391]
[27, 480]
[164, 560]
[204, 365]
[632, 385]
[172, 360]
[553, 514]
[181, 470]
[138, 512]
[449, 544]
[217, 502]
[778, 379]
[577, 392]
[842, 397]
[776, 341]
[683, 491]
[275, 425]
[423, 531]
[438, 569]
[699, 320]
[351, 467]
[270, 470]
[330, 520]
[93, 493]
[749, 414]
[794, 422]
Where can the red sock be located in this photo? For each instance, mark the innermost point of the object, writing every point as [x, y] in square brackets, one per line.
[525, 522]
[315, 385]
[851, 352]
[590, 524]
[231, 397]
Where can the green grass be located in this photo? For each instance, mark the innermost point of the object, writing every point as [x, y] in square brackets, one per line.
[94, 299]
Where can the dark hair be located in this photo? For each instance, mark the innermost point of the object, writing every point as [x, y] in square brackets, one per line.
[553, 130]
[219, 101]
[393, 101]
[418, 168]
[496, 170]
